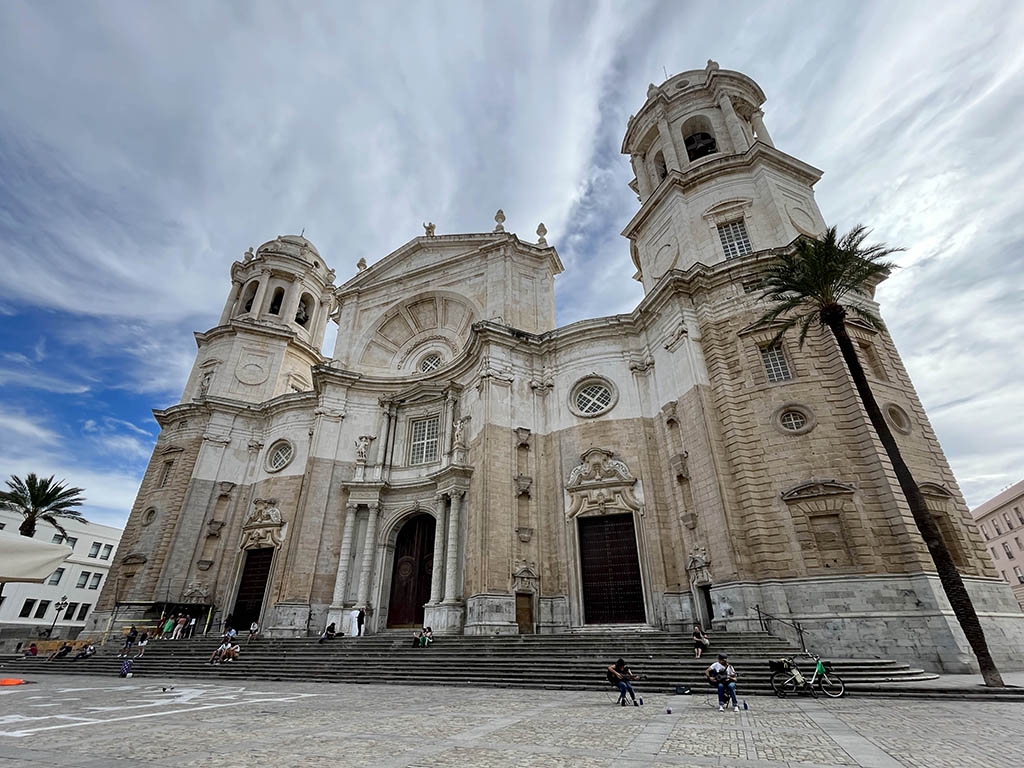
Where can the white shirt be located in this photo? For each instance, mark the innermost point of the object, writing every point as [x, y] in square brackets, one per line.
[718, 669]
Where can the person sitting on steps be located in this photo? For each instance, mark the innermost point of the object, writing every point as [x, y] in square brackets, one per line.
[700, 641]
[722, 674]
[328, 634]
[216, 656]
[426, 637]
[619, 674]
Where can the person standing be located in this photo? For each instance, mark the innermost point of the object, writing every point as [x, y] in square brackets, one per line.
[360, 619]
[168, 627]
[179, 626]
[191, 628]
[143, 642]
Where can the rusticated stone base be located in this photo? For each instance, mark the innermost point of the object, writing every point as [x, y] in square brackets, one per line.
[444, 618]
[491, 614]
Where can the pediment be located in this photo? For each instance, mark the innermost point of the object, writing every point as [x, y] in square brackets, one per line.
[419, 393]
[934, 489]
[816, 489]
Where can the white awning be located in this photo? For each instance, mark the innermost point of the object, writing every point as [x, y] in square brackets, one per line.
[25, 559]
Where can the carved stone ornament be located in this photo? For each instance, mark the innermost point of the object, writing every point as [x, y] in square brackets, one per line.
[211, 437]
[362, 446]
[524, 577]
[263, 526]
[523, 483]
[491, 371]
[522, 437]
[676, 337]
[213, 528]
[699, 566]
[255, 446]
[204, 565]
[225, 488]
[601, 484]
[134, 559]
[524, 533]
[680, 466]
[195, 592]
[499, 221]
[542, 385]
[541, 234]
[641, 366]
[817, 488]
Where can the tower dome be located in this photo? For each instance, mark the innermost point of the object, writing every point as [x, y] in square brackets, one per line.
[711, 183]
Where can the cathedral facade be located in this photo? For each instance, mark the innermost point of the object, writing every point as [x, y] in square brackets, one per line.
[462, 462]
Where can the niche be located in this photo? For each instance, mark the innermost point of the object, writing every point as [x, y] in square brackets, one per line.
[276, 301]
[699, 138]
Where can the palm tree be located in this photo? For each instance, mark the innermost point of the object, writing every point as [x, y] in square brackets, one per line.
[41, 499]
[817, 282]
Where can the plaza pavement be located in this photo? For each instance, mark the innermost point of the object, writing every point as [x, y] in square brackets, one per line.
[66, 720]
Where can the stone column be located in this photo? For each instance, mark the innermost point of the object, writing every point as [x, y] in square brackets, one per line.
[261, 293]
[643, 181]
[668, 146]
[369, 549]
[291, 301]
[451, 570]
[436, 573]
[347, 528]
[448, 430]
[732, 123]
[757, 121]
[229, 305]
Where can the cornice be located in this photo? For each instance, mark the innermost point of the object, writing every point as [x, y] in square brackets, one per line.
[237, 327]
[710, 169]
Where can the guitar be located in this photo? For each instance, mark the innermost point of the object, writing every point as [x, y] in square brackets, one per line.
[628, 677]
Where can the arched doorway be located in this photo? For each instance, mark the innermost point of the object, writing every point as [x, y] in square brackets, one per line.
[411, 572]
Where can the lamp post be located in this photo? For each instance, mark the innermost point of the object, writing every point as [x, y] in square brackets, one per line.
[59, 607]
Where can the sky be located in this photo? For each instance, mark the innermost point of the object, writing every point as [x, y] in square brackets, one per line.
[144, 146]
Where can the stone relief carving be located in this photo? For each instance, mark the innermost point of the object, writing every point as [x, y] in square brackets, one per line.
[600, 484]
[195, 592]
[699, 566]
[263, 525]
[676, 337]
[523, 484]
[204, 384]
[524, 577]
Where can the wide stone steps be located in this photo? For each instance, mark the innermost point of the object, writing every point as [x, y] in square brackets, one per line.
[568, 661]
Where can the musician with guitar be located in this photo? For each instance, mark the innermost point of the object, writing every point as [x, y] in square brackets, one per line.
[619, 674]
[722, 674]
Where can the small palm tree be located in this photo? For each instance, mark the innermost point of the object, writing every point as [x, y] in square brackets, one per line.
[816, 283]
[41, 499]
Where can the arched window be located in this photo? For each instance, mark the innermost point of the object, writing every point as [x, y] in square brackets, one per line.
[660, 169]
[304, 312]
[248, 295]
[276, 301]
[699, 138]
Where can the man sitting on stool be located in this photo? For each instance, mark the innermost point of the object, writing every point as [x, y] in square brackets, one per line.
[723, 674]
[619, 675]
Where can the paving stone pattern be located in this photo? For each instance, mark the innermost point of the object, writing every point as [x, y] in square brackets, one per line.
[80, 721]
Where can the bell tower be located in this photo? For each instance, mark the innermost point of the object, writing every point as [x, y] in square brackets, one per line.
[271, 328]
[711, 184]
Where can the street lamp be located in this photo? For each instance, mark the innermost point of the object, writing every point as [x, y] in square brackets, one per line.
[59, 607]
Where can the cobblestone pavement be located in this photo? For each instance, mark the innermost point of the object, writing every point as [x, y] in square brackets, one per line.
[87, 722]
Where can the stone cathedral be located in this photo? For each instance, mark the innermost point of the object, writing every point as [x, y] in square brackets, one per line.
[462, 462]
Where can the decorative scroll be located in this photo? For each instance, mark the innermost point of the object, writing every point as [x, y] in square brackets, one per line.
[263, 526]
[599, 484]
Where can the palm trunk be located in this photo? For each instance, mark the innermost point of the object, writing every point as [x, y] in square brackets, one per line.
[949, 576]
[27, 527]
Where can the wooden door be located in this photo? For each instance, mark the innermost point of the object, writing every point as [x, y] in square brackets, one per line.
[411, 572]
[252, 587]
[524, 612]
[610, 569]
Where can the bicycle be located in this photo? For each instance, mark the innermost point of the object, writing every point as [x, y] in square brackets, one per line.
[787, 677]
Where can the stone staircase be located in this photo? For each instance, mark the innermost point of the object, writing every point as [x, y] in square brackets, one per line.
[567, 661]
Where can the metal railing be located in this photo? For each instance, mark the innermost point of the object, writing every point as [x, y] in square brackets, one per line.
[765, 619]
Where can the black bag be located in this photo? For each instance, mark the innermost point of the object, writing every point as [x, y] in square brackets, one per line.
[682, 690]
[778, 665]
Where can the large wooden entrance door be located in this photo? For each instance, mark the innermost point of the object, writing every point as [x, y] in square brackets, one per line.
[524, 612]
[410, 576]
[610, 568]
[252, 587]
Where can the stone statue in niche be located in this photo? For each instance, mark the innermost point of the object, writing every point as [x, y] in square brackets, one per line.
[362, 446]
[459, 439]
[204, 383]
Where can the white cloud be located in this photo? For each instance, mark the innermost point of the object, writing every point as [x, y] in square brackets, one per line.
[20, 427]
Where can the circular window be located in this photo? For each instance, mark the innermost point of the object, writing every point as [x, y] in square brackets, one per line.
[148, 516]
[279, 455]
[898, 418]
[794, 421]
[592, 397]
[430, 363]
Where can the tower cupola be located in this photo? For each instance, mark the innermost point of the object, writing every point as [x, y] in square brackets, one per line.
[711, 184]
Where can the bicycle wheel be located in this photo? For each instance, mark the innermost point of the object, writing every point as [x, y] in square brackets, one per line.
[783, 683]
[832, 685]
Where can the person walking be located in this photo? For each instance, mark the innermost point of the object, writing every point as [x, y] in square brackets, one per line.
[179, 626]
[129, 641]
[168, 627]
[700, 641]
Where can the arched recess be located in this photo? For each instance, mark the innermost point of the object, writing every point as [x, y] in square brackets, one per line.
[825, 522]
[393, 553]
[660, 168]
[699, 138]
[304, 310]
[940, 503]
[606, 542]
[276, 301]
[248, 296]
[400, 336]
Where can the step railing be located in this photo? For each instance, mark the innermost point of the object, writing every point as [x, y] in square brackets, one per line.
[766, 620]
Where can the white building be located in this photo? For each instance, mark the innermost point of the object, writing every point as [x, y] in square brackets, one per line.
[26, 610]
